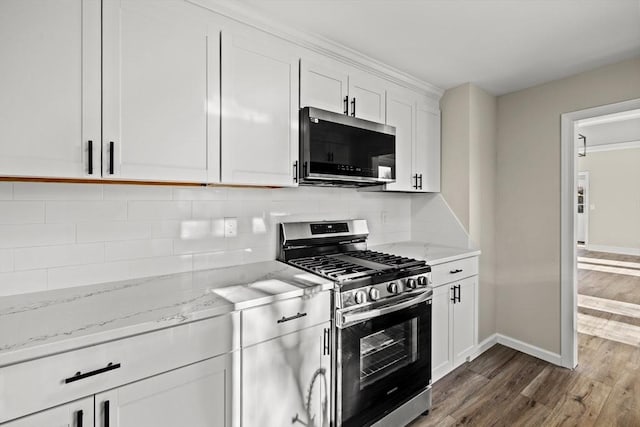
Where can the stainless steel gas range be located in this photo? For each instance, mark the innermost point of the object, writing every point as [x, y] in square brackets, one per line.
[382, 317]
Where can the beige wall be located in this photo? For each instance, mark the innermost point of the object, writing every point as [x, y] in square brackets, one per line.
[614, 192]
[528, 196]
[468, 180]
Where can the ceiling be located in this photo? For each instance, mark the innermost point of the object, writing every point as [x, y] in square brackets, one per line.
[499, 45]
[612, 128]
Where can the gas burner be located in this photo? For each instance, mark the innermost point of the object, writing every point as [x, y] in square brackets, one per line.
[385, 259]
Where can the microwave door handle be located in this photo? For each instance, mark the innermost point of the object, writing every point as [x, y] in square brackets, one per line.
[377, 312]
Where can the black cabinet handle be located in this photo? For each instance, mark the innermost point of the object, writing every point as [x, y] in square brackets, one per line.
[111, 156]
[90, 154]
[458, 287]
[326, 339]
[346, 105]
[353, 107]
[106, 414]
[80, 376]
[456, 271]
[453, 290]
[295, 171]
[420, 182]
[79, 418]
[415, 177]
[295, 316]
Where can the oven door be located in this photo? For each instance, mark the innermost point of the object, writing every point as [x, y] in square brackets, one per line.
[383, 358]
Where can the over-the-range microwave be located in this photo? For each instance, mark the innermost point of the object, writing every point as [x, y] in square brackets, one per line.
[340, 150]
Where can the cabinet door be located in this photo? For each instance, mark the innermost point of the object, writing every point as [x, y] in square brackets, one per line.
[367, 97]
[197, 395]
[50, 87]
[74, 414]
[285, 381]
[323, 87]
[464, 320]
[259, 110]
[161, 73]
[401, 114]
[426, 156]
[441, 362]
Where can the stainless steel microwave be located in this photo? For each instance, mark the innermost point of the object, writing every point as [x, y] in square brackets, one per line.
[340, 150]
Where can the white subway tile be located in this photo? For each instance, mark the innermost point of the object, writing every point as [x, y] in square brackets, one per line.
[24, 235]
[6, 191]
[174, 229]
[113, 230]
[153, 210]
[209, 209]
[250, 194]
[23, 282]
[191, 246]
[217, 259]
[65, 277]
[58, 256]
[244, 241]
[55, 191]
[14, 212]
[136, 192]
[6, 260]
[132, 249]
[199, 193]
[75, 211]
[259, 254]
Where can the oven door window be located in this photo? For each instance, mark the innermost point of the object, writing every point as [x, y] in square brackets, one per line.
[382, 362]
[384, 352]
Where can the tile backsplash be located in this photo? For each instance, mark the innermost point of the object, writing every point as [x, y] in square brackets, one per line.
[62, 235]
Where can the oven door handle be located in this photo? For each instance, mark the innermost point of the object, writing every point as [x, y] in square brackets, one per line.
[349, 319]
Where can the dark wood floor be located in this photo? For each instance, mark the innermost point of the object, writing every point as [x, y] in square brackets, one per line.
[504, 387]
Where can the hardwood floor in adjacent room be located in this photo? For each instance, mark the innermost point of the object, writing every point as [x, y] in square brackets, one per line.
[504, 387]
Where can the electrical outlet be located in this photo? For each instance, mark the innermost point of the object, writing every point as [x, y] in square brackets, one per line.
[230, 227]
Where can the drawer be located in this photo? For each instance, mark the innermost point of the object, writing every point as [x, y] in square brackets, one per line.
[283, 317]
[42, 383]
[454, 270]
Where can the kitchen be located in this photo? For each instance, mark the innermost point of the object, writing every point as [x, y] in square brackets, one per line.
[142, 274]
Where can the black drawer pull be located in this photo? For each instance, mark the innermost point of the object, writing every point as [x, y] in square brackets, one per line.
[111, 157]
[294, 317]
[79, 375]
[79, 418]
[106, 414]
[90, 157]
[459, 270]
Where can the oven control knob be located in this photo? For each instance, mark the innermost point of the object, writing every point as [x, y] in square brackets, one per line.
[393, 288]
[422, 280]
[374, 294]
[411, 283]
[361, 297]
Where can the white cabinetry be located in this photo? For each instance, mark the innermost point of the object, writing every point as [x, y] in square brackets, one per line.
[426, 152]
[196, 396]
[286, 372]
[73, 414]
[160, 92]
[259, 110]
[50, 87]
[454, 315]
[334, 88]
[401, 108]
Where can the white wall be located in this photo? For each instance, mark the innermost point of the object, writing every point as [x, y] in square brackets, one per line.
[614, 192]
[528, 196]
[62, 235]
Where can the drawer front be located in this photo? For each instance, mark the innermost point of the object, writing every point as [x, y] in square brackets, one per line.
[43, 383]
[455, 270]
[283, 317]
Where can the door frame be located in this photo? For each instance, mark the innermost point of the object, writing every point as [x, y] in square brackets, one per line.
[568, 197]
[585, 203]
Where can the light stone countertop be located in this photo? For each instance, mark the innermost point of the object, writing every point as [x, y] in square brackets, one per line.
[433, 254]
[45, 323]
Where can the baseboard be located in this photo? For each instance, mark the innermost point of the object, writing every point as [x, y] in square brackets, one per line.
[613, 249]
[529, 349]
[484, 345]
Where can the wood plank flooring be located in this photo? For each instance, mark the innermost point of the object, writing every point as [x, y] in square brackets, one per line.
[504, 387]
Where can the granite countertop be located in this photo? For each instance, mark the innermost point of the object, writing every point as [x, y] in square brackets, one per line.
[44, 323]
[433, 254]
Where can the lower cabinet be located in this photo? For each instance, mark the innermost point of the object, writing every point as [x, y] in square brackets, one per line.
[286, 380]
[454, 327]
[198, 395]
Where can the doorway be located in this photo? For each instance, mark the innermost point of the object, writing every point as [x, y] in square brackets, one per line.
[582, 210]
[569, 231]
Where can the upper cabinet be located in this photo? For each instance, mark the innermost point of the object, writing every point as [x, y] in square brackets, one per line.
[334, 88]
[401, 113]
[160, 92]
[50, 86]
[427, 147]
[260, 84]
